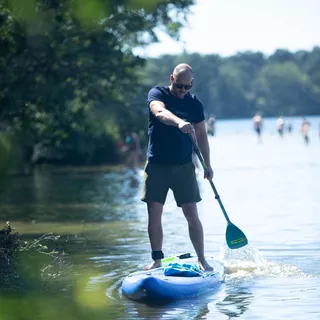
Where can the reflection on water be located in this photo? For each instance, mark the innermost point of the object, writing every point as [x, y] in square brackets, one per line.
[232, 302]
[193, 308]
[46, 196]
[270, 191]
[236, 301]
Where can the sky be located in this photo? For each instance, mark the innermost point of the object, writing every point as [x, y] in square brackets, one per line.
[226, 27]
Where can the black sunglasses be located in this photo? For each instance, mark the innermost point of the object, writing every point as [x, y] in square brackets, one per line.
[180, 85]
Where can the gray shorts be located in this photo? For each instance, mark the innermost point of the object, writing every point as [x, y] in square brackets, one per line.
[181, 179]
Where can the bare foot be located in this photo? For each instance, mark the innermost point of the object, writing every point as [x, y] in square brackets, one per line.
[204, 266]
[153, 265]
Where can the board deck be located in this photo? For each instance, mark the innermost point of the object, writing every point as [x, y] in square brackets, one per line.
[154, 284]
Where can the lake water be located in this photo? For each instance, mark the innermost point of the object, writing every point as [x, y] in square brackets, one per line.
[270, 191]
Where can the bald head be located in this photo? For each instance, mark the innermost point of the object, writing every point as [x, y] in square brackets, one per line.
[182, 70]
[181, 80]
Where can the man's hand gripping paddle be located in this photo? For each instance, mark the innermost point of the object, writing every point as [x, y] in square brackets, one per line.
[234, 236]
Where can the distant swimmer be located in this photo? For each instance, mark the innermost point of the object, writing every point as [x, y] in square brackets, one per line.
[305, 126]
[280, 125]
[257, 125]
[211, 126]
[132, 142]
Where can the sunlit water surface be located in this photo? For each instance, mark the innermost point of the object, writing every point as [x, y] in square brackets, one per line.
[270, 190]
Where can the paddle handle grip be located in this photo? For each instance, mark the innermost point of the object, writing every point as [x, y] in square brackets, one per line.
[205, 168]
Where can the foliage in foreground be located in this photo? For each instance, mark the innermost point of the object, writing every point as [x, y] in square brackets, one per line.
[69, 81]
[29, 282]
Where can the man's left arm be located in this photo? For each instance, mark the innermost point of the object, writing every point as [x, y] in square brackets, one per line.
[203, 144]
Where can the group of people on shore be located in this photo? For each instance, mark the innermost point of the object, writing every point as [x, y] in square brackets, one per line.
[282, 126]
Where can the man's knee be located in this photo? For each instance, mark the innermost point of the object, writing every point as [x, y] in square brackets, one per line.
[190, 212]
[190, 207]
[154, 208]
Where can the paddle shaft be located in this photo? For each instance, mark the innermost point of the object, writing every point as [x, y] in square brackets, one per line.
[198, 153]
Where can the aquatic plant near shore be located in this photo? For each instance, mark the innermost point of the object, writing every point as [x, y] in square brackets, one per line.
[22, 262]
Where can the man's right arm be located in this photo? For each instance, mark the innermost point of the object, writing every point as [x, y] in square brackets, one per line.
[159, 110]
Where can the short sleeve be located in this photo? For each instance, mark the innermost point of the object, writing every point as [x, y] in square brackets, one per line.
[155, 94]
[198, 115]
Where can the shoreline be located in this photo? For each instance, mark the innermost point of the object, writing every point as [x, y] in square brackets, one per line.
[51, 168]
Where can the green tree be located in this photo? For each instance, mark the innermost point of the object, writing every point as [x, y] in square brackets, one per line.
[239, 86]
[286, 89]
[69, 73]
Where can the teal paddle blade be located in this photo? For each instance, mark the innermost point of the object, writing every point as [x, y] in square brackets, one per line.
[235, 237]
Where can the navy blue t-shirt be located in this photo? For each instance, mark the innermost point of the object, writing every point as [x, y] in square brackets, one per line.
[167, 144]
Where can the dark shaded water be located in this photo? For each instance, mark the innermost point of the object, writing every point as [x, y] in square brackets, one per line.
[270, 190]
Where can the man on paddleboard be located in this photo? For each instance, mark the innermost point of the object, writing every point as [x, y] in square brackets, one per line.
[174, 113]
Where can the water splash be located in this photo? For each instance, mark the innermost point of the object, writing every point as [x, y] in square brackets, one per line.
[250, 262]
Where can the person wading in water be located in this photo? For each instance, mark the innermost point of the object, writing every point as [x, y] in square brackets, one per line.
[132, 143]
[257, 125]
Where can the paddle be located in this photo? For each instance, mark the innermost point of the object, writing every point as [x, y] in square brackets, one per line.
[180, 256]
[234, 236]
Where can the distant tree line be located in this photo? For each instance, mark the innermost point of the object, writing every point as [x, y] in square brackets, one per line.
[70, 83]
[284, 83]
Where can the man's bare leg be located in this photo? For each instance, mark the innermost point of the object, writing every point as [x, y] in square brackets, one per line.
[196, 233]
[155, 210]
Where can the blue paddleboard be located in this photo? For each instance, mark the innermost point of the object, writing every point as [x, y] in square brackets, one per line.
[155, 285]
